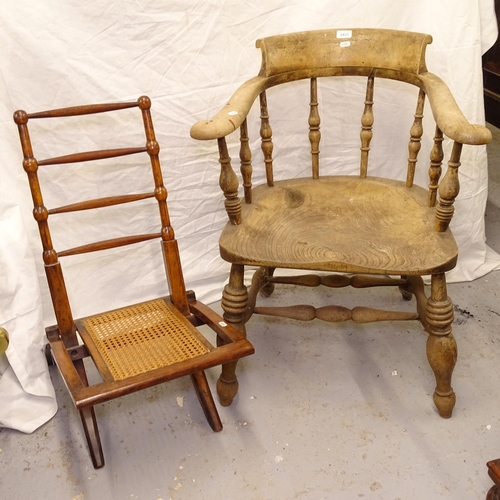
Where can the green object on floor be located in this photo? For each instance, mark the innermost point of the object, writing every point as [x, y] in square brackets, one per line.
[4, 340]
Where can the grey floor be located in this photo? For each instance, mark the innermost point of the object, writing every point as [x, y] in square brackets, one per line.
[320, 415]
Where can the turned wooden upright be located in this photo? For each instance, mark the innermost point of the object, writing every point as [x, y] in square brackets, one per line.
[369, 231]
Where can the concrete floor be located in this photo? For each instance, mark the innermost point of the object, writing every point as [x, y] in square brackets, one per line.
[320, 415]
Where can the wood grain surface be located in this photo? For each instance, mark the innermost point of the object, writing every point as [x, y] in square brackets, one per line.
[342, 224]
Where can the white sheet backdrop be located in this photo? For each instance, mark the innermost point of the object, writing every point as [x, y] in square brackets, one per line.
[189, 57]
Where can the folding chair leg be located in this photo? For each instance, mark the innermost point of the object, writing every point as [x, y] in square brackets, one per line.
[206, 400]
[89, 423]
[92, 434]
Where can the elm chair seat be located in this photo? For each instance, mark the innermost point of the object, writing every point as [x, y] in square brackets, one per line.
[300, 211]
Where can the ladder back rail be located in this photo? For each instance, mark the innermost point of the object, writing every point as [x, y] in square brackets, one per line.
[83, 110]
[107, 244]
[414, 145]
[101, 154]
[100, 203]
[314, 128]
[366, 126]
[266, 139]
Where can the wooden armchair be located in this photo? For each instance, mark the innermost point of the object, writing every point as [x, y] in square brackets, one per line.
[371, 231]
[140, 345]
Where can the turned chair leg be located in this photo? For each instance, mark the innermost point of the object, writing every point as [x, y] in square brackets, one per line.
[441, 346]
[206, 400]
[234, 304]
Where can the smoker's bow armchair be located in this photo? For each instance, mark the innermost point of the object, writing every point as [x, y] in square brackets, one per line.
[368, 231]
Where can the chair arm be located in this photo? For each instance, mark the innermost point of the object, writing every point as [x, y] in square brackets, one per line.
[447, 114]
[232, 115]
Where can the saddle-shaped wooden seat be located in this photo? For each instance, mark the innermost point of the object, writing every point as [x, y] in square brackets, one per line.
[336, 224]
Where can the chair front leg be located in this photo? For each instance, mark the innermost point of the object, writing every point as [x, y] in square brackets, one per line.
[234, 304]
[206, 400]
[89, 423]
[441, 345]
[91, 430]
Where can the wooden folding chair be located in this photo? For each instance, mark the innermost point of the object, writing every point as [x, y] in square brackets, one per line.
[366, 230]
[140, 345]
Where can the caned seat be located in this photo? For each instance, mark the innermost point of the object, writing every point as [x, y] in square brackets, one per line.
[367, 230]
[140, 345]
[141, 338]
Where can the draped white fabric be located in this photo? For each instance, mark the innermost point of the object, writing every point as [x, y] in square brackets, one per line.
[189, 57]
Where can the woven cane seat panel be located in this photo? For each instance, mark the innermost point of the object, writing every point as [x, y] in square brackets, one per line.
[141, 338]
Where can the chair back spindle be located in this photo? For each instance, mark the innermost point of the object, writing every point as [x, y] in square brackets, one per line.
[314, 128]
[414, 145]
[228, 182]
[366, 126]
[266, 137]
[435, 169]
[246, 162]
[448, 190]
